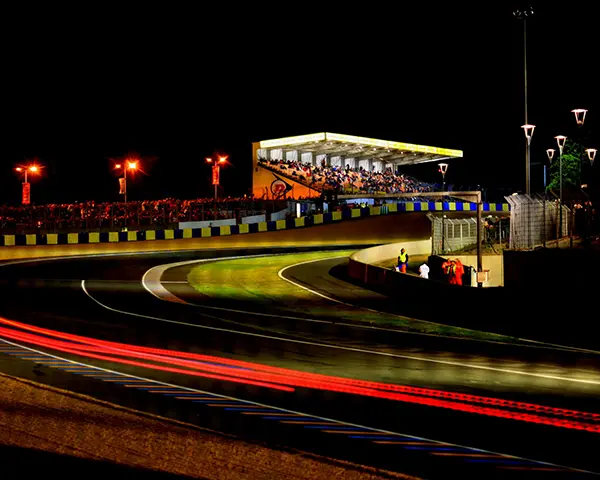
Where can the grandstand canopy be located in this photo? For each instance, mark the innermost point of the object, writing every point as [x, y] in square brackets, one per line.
[349, 146]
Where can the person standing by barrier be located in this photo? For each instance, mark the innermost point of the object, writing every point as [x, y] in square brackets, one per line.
[459, 271]
[449, 268]
[403, 261]
[424, 271]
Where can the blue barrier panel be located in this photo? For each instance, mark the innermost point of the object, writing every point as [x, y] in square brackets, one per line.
[178, 233]
[365, 212]
[459, 206]
[160, 235]
[253, 228]
[486, 207]
[122, 236]
[196, 233]
[20, 240]
[346, 214]
[215, 231]
[84, 237]
[235, 229]
[290, 223]
[327, 217]
[62, 239]
[445, 206]
[401, 206]
[271, 226]
[309, 222]
[431, 206]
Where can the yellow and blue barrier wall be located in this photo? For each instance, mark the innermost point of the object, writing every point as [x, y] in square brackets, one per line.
[173, 234]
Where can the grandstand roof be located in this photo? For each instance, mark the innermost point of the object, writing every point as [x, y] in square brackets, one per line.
[337, 144]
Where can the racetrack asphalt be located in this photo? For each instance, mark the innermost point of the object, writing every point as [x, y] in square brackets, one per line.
[49, 295]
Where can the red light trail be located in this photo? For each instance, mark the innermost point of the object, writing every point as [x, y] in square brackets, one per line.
[288, 380]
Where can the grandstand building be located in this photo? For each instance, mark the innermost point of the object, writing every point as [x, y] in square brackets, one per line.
[271, 178]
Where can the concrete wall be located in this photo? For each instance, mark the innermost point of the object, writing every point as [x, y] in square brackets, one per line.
[384, 252]
[493, 263]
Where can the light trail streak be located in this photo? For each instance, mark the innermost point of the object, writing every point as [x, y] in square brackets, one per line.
[288, 380]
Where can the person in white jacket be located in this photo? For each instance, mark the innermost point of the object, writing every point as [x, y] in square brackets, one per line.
[424, 271]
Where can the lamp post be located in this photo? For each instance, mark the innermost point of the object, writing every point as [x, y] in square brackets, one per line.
[528, 129]
[443, 169]
[580, 114]
[523, 15]
[26, 187]
[550, 152]
[560, 141]
[129, 165]
[216, 171]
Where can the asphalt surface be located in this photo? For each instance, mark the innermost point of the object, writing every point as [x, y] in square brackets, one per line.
[50, 295]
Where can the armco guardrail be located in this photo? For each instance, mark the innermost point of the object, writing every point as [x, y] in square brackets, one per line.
[216, 231]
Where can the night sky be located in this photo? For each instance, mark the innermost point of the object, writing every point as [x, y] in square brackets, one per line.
[178, 82]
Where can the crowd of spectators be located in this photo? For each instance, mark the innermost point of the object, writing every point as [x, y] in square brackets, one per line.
[344, 179]
[108, 215]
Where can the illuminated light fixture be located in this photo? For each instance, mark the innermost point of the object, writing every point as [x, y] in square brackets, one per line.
[579, 115]
[550, 152]
[560, 141]
[222, 159]
[591, 154]
[118, 165]
[528, 129]
[132, 165]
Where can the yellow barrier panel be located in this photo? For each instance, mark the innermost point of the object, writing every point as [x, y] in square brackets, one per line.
[300, 222]
[336, 216]
[187, 233]
[410, 207]
[424, 206]
[438, 206]
[244, 227]
[52, 239]
[318, 219]
[392, 207]
[355, 212]
[262, 226]
[225, 230]
[375, 210]
[73, 238]
[94, 237]
[169, 234]
[9, 240]
[505, 207]
[150, 235]
[280, 225]
[205, 232]
[31, 239]
[132, 236]
[452, 206]
[113, 236]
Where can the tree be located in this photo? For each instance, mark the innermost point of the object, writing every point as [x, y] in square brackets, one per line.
[571, 167]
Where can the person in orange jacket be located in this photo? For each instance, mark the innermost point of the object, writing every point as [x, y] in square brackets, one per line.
[459, 271]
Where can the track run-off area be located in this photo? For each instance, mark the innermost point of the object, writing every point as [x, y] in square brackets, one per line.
[273, 345]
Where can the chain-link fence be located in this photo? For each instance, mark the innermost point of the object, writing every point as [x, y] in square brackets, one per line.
[460, 234]
[536, 221]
